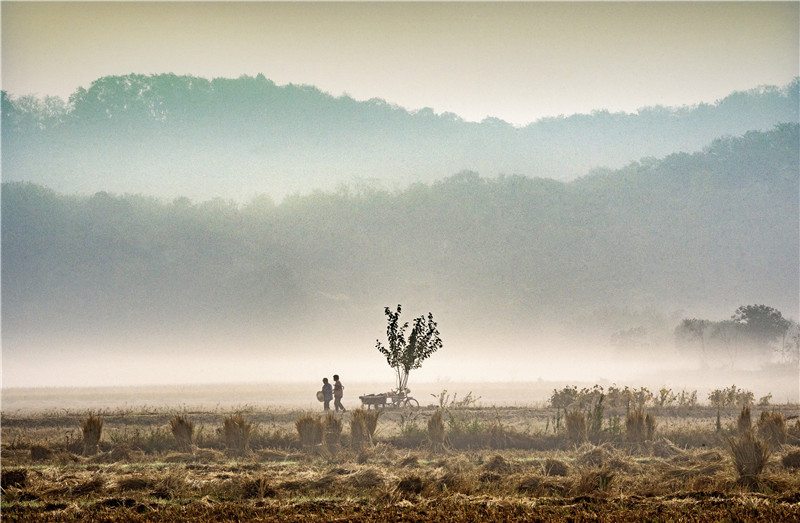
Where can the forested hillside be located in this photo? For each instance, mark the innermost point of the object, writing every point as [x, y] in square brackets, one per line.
[698, 233]
[171, 136]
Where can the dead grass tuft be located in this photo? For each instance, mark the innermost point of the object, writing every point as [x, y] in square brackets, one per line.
[92, 428]
[750, 455]
[594, 480]
[309, 429]
[772, 429]
[40, 453]
[183, 431]
[237, 432]
[791, 460]
[554, 467]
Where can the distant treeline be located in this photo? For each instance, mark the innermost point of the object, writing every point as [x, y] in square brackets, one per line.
[169, 135]
[703, 231]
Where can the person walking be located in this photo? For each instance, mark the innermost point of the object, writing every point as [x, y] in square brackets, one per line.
[327, 393]
[338, 392]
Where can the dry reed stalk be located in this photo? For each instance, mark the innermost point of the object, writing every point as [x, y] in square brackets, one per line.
[237, 432]
[744, 423]
[92, 430]
[309, 429]
[772, 428]
[436, 433]
[577, 430]
[750, 455]
[183, 431]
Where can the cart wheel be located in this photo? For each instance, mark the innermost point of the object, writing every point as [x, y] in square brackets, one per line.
[412, 403]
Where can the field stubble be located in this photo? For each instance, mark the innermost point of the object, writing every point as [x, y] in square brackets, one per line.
[493, 464]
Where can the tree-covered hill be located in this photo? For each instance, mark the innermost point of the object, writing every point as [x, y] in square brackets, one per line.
[169, 136]
[699, 233]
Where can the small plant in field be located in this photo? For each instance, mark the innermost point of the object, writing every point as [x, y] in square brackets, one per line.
[772, 428]
[436, 433]
[183, 431]
[750, 455]
[237, 432]
[764, 401]
[92, 430]
[310, 430]
[576, 427]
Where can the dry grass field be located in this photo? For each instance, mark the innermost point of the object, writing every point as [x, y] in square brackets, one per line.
[446, 462]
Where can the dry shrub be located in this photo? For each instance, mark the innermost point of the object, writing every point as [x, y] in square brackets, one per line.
[791, 460]
[412, 484]
[237, 432]
[498, 464]
[183, 431]
[594, 480]
[366, 479]
[92, 430]
[40, 453]
[750, 455]
[309, 429]
[134, 483]
[554, 467]
[744, 423]
[257, 488]
[577, 431]
[596, 456]
[436, 433]
[772, 429]
[409, 461]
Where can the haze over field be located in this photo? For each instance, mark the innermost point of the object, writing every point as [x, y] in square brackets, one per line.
[177, 216]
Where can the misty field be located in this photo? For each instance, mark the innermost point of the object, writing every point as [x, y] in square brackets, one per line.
[453, 459]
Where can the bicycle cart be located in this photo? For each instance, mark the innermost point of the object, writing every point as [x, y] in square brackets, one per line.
[393, 398]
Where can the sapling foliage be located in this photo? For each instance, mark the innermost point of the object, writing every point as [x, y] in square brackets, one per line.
[403, 354]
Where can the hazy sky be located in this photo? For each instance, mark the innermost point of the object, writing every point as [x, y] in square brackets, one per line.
[516, 61]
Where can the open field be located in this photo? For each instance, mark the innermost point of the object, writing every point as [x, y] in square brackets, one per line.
[447, 461]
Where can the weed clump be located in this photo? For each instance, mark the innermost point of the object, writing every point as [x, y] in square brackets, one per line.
[744, 423]
[183, 432]
[92, 430]
[237, 432]
[309, 430]
[772, 429]
[750, 455]
[332, 432]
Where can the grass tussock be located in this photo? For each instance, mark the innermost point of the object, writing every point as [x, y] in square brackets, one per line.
[309, 430]
[332, 432]
[183, 431]
[771, 428]
[363, 424]
[791, 460]
[92, 428]
[639, 427]
[236, 431]
[750, 455]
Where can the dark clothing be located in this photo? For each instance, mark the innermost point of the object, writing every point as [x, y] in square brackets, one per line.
[327, 394]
